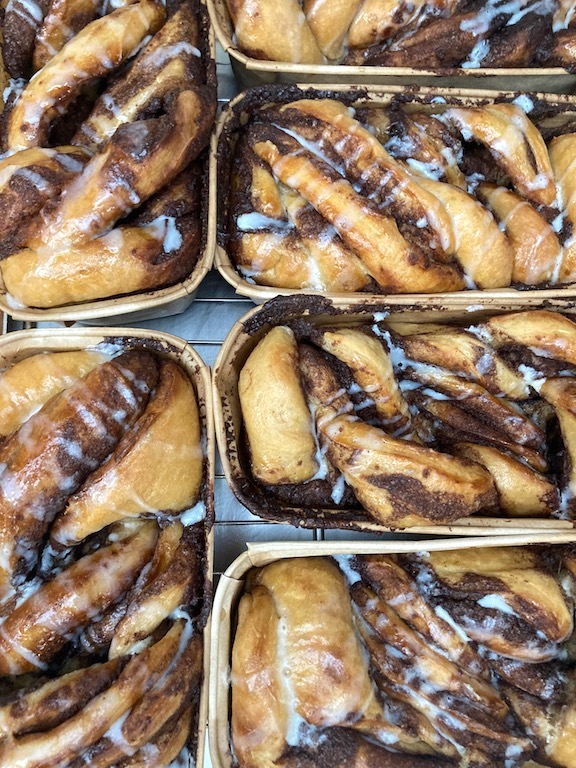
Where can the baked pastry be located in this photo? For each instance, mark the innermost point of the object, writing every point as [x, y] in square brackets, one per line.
[409, 424]
[407, 198]
[454, 658]
[281, 438]
[102, 517]
[427, 34]
[267, 32]
[119, 211]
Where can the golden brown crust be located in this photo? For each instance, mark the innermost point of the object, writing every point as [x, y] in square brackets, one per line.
[378, 20]
[56, 700]
[547, 333]
[393, 585]
[373, 372]
[99, 48]
[402, 484]
[399, 190]
[278, 422]
[78, 733]
[138, 583]
[345, 695]
[64, 19]
[64, 259]
[466, 355]
[167, 65]
[297, 249]
[329, 21]
[280, 32]
[55, 450]
[392, 404]
[30, 383]
[136, 479]
[514, 142]
[327, 125]
[443, 700]
[483, 251]
[537, 252]
[531, 592]
[34, 632]
[375, 238]
[561, 394]
[29, 179]
[522, 492]
[150, 124]
[167, 585]
[563, 158]
[259, 713]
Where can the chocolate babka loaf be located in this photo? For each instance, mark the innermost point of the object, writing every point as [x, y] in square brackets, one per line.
[444, 659]
[421, 34]
[420, 195]
[107, 114]
[406, 424]
[103, 579]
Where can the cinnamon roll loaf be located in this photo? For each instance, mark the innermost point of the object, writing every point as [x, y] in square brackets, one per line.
[338, 192]
[443, 659]
[109, 110]
[104, 595]
[423, 34]
[407, 424]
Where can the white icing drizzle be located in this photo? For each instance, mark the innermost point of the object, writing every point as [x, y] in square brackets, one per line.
[166, 53]
[429, 170]
[22, 651]
[114, 733]
[172, 239]
[338, 490]
[496, 602]
[477, 55]
[294, 719]
[563, 16]
[15, 86]
[108, 349]
[532, 377]
[480, 23]
[349, 572]
[194, 515]
[512, 755]
[566, 498]
[524, 102]
[254, 222]
[313, 148]
[13, 302]
[443, 614]
[29, 10]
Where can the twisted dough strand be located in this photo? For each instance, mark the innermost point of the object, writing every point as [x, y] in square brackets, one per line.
[140, 158]
[61, 744]
[98, 49]
[28, 179]
[33, 633]
[65, 18]
[169, 64]
[374, 237]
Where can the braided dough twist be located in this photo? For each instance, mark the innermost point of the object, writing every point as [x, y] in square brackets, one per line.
[100, 48]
